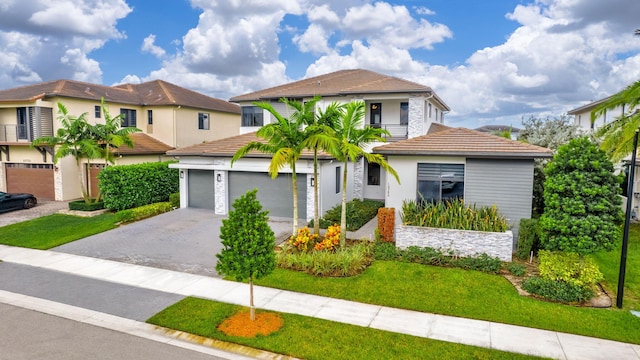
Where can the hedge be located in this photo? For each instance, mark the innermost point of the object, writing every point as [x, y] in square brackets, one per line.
[130, 186]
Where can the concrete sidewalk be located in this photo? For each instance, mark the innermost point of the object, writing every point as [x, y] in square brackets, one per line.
[439, 327]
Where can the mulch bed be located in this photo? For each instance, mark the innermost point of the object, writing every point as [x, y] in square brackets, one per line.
[240, 324]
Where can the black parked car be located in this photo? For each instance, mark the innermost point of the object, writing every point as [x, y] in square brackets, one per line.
[10, 202]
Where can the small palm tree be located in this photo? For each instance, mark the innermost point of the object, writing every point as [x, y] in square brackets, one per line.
[75, 138]
[284, 141]
[617, 136]
[351, 138]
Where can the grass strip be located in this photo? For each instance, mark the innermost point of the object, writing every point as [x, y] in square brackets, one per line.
[53, 230]
[310, 338]
[463, 293]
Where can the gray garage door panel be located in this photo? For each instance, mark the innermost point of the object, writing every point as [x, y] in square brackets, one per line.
[274, 194]
[201, 189]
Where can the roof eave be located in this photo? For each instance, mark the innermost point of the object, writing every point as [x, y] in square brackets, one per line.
[481, 154]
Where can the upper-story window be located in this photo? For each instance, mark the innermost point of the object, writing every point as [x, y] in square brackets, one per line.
[375, 111]
[404, 113]
[436, 113]
[150, 117]
[128, 117]
[429, 110]
[252, 116]
[97, 111]
[203, 121]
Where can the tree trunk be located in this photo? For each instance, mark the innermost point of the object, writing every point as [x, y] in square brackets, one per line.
[343, 214]
[82, 181]
[252, 309]
[316, 206]
[294, 181]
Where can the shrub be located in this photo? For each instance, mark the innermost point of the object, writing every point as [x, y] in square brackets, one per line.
[304, 241]
[386, 223]
[345, 261]
[517, 269]
[557, 290]
[81, 205]
[143, 212]
[359, 212]
[174, 199]
[581, 200]
[331, 239]
[383, 250]
[482, 262]
[528, 238]
[130, 186]
[453, 214]
[569, 268]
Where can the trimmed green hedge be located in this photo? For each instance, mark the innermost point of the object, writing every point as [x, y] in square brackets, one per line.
[80, 205]
[143, 212]
[174, 199]
[130, 186]
[359, 212]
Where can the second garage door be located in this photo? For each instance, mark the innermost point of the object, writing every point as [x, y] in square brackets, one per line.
[201, 191]
[275, 195]
[36, 179]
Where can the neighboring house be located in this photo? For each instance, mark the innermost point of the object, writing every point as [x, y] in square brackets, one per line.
[168, 115]
[480, 168]
[406, 109]
[582, 115]
[494, 129]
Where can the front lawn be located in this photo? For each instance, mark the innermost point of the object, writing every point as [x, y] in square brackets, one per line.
[463, 293]
[54, 230]
[311, 338]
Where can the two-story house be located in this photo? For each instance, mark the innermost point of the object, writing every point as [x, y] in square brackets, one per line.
[168, 115]
[404, 108]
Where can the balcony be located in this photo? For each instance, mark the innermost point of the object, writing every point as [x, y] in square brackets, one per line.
[14, 133]
[397, 132]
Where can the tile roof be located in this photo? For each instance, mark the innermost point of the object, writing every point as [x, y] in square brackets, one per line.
[157, 92]
[464, 142]
[436, 127]
[227, 147]
[143, 144]
[340, 83]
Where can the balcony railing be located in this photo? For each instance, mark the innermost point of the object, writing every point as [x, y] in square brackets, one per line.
[398, 132]
[14, 133]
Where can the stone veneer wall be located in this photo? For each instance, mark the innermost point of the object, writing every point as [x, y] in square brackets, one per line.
[462, 242]
[220, 192]
[310, 199]
[358, 179]
[416, 116]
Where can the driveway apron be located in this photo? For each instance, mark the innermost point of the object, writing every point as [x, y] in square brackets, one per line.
[185, 240]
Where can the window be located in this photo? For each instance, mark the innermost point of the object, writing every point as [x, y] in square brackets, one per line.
[252, 116]
[375, 114]
[97, 111]
[150, 117]
[436, 113]
[404, 113]
[203, 121]
[128, 117]
[438, 182]
[373, 174]
[429, 111]
[23, 131]
[338, 180]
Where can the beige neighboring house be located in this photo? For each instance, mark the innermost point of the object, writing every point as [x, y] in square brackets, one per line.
[582, 115]
[406, 109]
[169, 116]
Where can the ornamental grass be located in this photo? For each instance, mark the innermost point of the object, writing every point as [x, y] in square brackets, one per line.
[452, 214]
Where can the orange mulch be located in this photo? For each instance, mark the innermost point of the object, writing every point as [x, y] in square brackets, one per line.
[240, 324]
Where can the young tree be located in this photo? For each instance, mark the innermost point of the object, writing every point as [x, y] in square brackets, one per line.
[75, 138]
[284, 141]
[351, 138]
[550, 133]
[248, 243]
[617, 136]
[582, 206]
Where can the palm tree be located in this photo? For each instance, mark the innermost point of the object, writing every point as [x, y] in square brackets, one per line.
[284, 141]
[351, 138]
[319, 135]
[110, 136]
[75, 138]
[617, 136]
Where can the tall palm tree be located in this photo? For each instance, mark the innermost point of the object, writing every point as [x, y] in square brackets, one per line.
[319, 135]
[74, 137]
[617, 136]
[352, 137]
[284, 141]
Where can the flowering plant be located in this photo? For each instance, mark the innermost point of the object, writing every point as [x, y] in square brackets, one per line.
[331, 239]
[305, 240]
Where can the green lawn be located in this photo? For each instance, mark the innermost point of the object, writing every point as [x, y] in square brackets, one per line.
[609, 263]
[463, 293]
[310, 338]
[54, 230]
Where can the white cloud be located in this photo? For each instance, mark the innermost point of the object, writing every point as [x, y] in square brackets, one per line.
[315, 40]
[424, 11]
[148, 45]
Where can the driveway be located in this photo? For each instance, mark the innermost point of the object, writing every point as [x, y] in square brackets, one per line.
[43, 208]
[185, 240]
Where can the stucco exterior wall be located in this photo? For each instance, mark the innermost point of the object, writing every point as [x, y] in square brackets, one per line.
[221, 125]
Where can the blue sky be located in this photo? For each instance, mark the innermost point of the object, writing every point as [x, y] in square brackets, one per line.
[493, 62]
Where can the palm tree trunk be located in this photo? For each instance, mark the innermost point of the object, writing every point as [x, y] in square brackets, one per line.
[82, 180]
[343, 214]
[316, 205]
[294, 180]
[252, 308]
